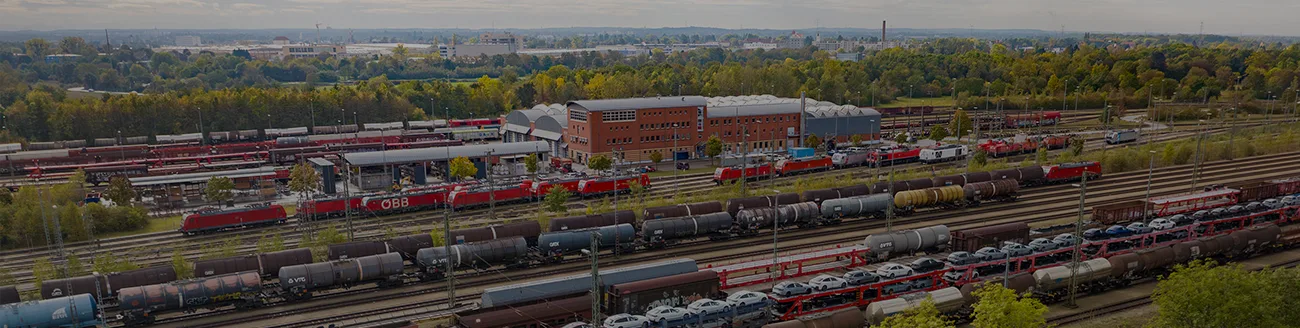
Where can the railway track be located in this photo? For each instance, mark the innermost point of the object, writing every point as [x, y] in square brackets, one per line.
[163, 243]
[1053, 199]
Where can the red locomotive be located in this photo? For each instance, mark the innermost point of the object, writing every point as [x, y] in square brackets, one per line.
[1072, 171]
[539, 190]
[317, 209]
[754, 172]
[406, 202]
[216, 220]
[483, 197]
[608, 185]
[788, 167]
[894, 155]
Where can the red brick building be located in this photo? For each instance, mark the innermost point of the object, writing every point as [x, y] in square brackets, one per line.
[639, 127]
[636, 127]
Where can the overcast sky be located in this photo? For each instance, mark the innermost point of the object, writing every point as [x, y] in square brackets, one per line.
[1271, 17]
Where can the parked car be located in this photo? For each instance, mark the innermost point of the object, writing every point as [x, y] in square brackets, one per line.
[925, 264]
[1016, 249]
[580, 324]
[962, 258]
[663, 313]
[791, 288]
[704, 306]
[1181, 220]
[893, 270]
[1290, 200]
[827, 282]
[746, 298]
[1236, 209]
[897, 288]
[626, 321]
[955, 275]
[1254, 207]
[1094, 234]
[1043, 245]
[1202, 216]
[1139, 228]
[1161, 224]
[859, 277]
[1065, 239]
[1117, 231]
[1272, 203]
[990, 253]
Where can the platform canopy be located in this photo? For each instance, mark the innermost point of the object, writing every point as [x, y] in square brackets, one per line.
[438, 154]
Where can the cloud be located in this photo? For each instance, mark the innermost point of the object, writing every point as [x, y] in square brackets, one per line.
[247, 6]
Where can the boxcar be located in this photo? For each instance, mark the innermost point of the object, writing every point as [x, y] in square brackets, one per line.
[1255, 190]
[580, 283]
[555, 313]
[215, 220]
[676, 291]
[971, 240]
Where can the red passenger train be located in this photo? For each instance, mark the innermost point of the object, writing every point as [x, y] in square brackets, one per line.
[609, 185]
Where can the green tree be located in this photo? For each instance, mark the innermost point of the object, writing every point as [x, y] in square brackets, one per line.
[556, 197]
[937, 133]
[1041, 158]
[1201, 294]
[74, 266]
[637, 191]
[856, 140]
[813, 141]
[462, 168]
[900, 137]
[184, 269]
[713, 147]
[530, 163]
[656, 157]
[925, 315]
[219, 189]
[38, 48]
[1000, 307]
[303, 179]
[960, 123]
[599, 163]
[120, 191]
[979, 159]
[43, 271]
[1076, 146]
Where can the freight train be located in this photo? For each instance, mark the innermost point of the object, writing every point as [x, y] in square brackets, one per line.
[884, 156]
[1198, 204]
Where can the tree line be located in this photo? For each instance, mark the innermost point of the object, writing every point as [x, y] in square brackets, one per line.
[233, 92]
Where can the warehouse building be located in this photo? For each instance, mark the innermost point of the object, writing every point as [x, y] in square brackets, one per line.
[380, 169]
[540, 123]
[829, 121]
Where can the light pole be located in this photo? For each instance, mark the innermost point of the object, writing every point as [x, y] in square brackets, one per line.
[776, 226]
[1196, 171]
[1151, 165]
[202, 137]
[311, 107]
[1078, 239]
[492, 187]
[676, 184]
[595, 274]
[121, 151]
[446, 230]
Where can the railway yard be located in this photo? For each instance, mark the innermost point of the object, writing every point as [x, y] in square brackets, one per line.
[389, 291]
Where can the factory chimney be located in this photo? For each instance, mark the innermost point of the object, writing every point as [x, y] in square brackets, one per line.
[882, 31]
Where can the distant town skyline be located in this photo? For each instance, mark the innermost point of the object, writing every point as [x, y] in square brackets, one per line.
[1251, 17]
